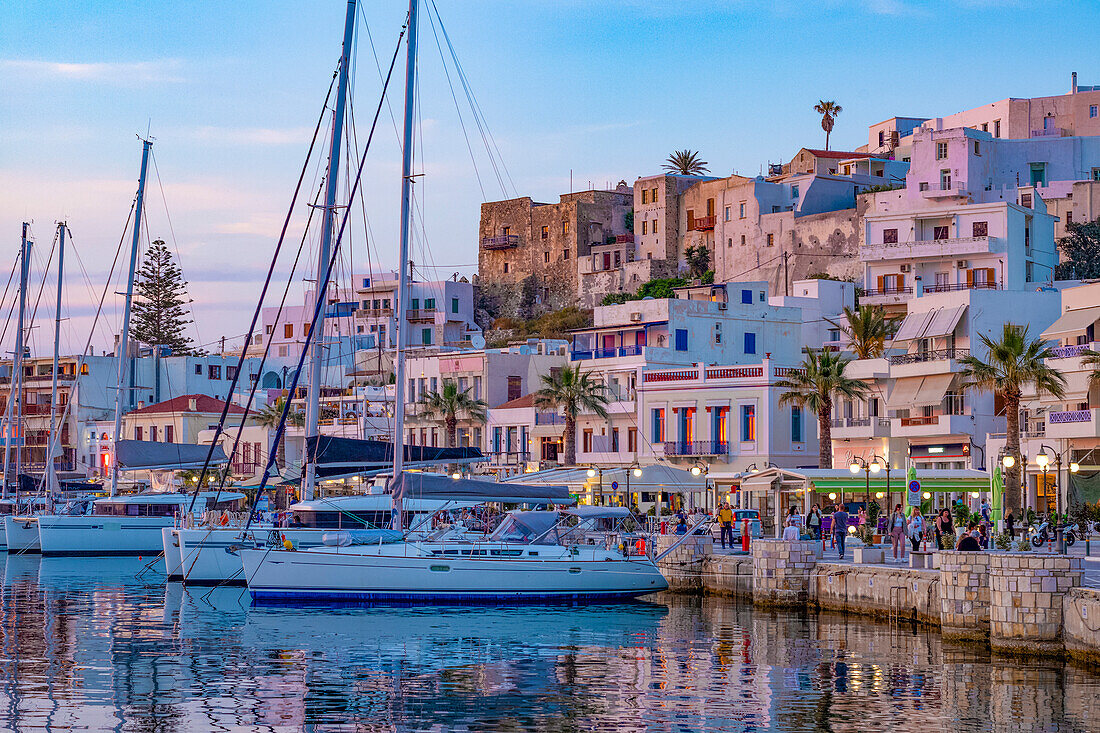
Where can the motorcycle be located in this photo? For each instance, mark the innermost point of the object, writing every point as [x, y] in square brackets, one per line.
[1042, 534]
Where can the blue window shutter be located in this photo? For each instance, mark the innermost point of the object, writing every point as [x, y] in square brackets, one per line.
[750, 342]
[746, 297]
[796, 424]
[681, 339]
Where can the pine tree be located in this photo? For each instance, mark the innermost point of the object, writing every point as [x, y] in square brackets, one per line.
[159, 312]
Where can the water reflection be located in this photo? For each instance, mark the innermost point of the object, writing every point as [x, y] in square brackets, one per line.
[84, 644]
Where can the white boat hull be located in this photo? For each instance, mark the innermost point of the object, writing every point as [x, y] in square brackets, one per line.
[396, 573]
[212, 556]
[101, 535]
[173, 563]
[21, 534]
[3, 538]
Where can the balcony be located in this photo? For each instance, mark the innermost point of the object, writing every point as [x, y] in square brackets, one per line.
[883, 292]
[1068, 352]
[1072, 424]
[920, 426]
[420, 314]
[509, 458]
[927, 248]
[937, 189]
[610, 353]
[920, 357]
[549, 418]
[697, 448]
[701, 223]
[1049, 132]
[860, 427]
[504, 241]
[949, 288]
[374, 313]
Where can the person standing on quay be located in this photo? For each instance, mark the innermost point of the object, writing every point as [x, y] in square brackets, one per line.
[898, 526]
[916, 528]
[840, 528]
[1010, 524]
[725, 523]
[813, 522]
[944, 526]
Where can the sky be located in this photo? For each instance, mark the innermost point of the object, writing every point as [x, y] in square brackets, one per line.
[568, 91]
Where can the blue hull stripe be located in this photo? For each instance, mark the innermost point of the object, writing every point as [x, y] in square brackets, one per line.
[264, 596]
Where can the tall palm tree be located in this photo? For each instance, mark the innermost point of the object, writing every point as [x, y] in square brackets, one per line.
[269, 416]
[828, 112]
[686, 163]
[448, 403]
[1014, 362]
[867, 328]
[814, 386]
[573, 391]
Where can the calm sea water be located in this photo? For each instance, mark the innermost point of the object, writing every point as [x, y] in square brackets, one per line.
[93, 645]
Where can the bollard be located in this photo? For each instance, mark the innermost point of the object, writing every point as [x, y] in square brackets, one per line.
[1087, 553]
[745, 535]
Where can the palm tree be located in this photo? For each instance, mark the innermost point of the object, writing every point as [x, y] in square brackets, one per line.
[867, 328]
[828, 112]
[574, 391]
[448, 403]
[814, 386]
[686, 163]
[269, 416]
[1014, 362]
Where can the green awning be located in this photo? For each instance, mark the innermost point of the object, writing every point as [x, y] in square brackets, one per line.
[857, 484]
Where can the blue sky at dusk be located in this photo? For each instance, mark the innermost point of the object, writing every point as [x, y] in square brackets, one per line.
[231, 92]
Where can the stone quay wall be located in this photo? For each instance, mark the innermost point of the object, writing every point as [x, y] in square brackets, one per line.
[682, 567]
[964, 594]
[781, 572]
[1018, 603]
[1026, 594]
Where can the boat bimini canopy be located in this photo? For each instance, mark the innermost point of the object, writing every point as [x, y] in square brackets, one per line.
[146, 455]
[413, 485]
[344, 457]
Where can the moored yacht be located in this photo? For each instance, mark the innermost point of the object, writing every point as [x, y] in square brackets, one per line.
[126, 525]
[20, 528]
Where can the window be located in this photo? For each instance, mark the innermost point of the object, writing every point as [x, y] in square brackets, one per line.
[796, 424]
[426, 336]
[1038, 174]
[889, 236]
[881, 138]
[412, 391]
[477, 387]
[977, 147]
[385, 303]
[718, 332]
[546, 256]
[231, 372]
[1092, 110]
[750, 342]
[137, 432]
[945, 179]
[565, 228]
[515, 388]
[505, 268]
[198, 369]
[506, 231]
[681, 339]
[282, 351]
[586, 443]
[941, 151]
[614, 440]
[771, 240]
[84, 369]
[1025, 200]
[435, 384]
[996, 128]
[169, 433]
[288, 331]
[215, 371]
[1069, 217]
[565, 254]
[644, 227]
[658, 423]
[980, 229]
[985, 127]
[429, 304]
[153, 433]
[366, 282]
[923, 186]
[794, 192]
[454, 304]
[545, 232]
[741, 210]
[748, 422]
[729, 242]
[940, 232]
[746, 297]
[727, 213]
[742, 240]
[632, 440]
[653, 195]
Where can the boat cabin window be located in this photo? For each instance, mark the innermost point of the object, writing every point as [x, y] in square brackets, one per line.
[343, 520]
[129, 509]
[528, 528]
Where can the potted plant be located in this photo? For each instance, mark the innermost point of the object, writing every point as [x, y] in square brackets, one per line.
[873, 513]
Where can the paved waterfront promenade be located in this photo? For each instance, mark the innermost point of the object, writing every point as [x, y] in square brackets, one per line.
[1018, 603]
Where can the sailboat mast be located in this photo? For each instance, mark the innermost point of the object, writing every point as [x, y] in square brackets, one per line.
[320, 348]
[124, 337]
[403, 263]
[17, 380]
[51, 445]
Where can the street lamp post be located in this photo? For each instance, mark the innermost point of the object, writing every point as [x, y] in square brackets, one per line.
[1043, 460]
[635, 469]
[592, 471]
[858, 464]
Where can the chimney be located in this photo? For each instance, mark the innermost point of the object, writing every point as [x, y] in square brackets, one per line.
[193, 404]
[1073, 83]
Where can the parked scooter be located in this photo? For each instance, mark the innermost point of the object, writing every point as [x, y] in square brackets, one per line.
[1042, 534]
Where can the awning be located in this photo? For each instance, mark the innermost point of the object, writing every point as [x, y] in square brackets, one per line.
[348, 456]
[919, 391]
[934, 323]
[412, 485]
[146, 455]
[1073, 320]
[759, 483]
[546, 431]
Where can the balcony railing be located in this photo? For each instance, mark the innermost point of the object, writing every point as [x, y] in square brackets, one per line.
[869, 292]
[1069, 416]
[933, 355]
[609, 353]
[701, 223]
[374, 312]
[420, 314]
[1066, 352]
[549, 418]
[1052, 132]
[951, 287]
[861, 422]
[908, 422]
[697, 448]
[624, 238]
[504, 241]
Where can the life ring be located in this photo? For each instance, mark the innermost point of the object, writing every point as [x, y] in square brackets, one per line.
[639, 546]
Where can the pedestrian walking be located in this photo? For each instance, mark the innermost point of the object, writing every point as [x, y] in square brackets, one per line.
[840, 529]
[725, 524]
[813, 522]
[943, 527]
[898, 527]
[916, 528]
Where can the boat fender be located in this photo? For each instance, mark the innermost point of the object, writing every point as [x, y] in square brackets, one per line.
[224, 520]
[288, 545]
